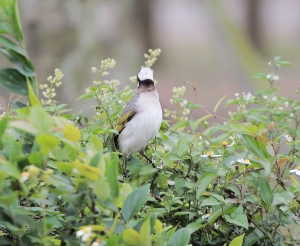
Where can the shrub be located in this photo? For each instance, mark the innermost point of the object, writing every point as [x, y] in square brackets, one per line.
[61, 181]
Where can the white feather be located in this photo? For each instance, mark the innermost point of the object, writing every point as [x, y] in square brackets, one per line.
[144, 125]
[145, 73]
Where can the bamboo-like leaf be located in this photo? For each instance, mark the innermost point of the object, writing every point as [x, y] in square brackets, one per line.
[206, 117]
[13, 81]
[33, 100]
[218, 103]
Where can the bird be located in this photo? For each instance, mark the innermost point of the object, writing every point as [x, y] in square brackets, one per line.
[141, 118]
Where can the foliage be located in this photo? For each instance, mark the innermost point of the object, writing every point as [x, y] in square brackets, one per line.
[61, 181]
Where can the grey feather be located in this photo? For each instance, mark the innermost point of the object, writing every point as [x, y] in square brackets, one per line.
[132, 104]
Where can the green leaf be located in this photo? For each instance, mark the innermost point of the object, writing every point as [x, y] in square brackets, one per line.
[131, 237]
[265, 191]
[238, 241]
[210, 202]
[218, 103]
[41, 119]
[260, 76]
[251, 239]
[192, 227]
[65, 167]
[286, 63]
[7, 7]
[94, 143]
[206, 117]
[238, 218]
[36, 158]
[242, 128]
[135, 201]
[11, 45]
[24, 66]
[13, 81]
[33, 100]
[221, 211]
[3, 125]
[72, 133]
[47, 142]
[16, 22]
[180, 237]
[111, 174]
[255, 147]
[145, 233]
[89, 172]
[204, 181]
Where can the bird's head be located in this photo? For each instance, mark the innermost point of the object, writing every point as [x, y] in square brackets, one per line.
[146, 73]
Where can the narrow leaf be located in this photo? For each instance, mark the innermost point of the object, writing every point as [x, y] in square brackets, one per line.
[11, 45]
[24, 66]
[33, 100]
[206, 117]
[218, 103]
[3, 125]
[111, 174]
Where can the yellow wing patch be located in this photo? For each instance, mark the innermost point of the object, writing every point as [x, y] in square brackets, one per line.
[124, 119]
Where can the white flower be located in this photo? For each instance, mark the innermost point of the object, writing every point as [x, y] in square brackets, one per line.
[216, 225]
[265, 97]
[280, 108]
[207, 143]
[296, 171]
[160, 167]
[24, 176]
[268, 76]
[275, 77]
[292, 115]
[171, 182]
[94, 70]
[244, 161]
[274, 98]
[210, 154]
[236, 94]
[85, 233]
[286, 104]
[248, 96]
[288, 138]
[183, 103]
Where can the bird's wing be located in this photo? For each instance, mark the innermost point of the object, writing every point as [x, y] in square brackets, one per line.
[126, 117]
[128, 113]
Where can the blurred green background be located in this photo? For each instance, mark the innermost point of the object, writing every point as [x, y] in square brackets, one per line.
[219, 45]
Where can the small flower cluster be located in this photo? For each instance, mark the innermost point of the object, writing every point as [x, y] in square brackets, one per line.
[49, 90]
[178, 92]
[245, 97]
[150, 60]
[84, 233]
[151, 57]
[100, 90]
[272, 77]
[105, 64]
[31, 171]
[288, 138]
